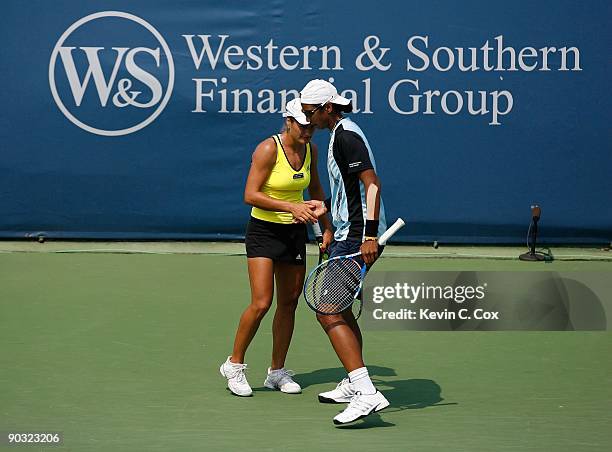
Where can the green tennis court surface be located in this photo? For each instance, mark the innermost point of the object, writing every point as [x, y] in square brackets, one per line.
[122, 352]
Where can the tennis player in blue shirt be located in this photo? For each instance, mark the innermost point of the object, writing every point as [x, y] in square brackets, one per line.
[359, 219]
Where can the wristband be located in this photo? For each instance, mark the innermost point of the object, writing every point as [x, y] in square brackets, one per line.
[370, 238]
[371, 228]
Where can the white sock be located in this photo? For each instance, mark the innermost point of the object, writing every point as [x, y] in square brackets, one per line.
[361, 380]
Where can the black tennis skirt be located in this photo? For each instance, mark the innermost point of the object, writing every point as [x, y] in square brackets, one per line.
[279, 242]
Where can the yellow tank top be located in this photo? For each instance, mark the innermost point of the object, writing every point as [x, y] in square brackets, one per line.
[284, 183]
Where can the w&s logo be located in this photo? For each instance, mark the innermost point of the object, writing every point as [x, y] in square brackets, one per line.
[111, 73]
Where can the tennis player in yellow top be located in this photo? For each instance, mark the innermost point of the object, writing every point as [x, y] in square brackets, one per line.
[283, 166]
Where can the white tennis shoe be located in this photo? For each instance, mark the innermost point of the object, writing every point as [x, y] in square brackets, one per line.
[360, 406]
[343, 393]
[282, 380]
[236, 379]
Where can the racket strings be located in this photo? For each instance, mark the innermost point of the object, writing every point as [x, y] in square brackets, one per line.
[332, 287]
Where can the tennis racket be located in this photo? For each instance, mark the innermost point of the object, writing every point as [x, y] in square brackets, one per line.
[323, 256]
[334, 285]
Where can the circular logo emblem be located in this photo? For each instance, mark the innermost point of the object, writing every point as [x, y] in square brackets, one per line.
[111, 73]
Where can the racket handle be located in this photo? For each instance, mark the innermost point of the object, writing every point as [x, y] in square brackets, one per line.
[317, 230]
[399, 223]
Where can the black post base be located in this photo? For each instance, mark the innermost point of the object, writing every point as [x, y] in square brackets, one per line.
[532, 257]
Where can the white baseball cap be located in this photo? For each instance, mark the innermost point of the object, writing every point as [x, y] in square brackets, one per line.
[319, 92]
[293, 109]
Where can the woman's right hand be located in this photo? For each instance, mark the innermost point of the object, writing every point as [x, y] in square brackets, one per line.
[317, 206]
[302, 213]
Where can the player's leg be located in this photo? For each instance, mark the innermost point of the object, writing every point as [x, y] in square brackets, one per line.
[343, 340]
[349, 318]
[342, 331]
[345, 336]
[261, 278]
[358, 390]
[289, 281]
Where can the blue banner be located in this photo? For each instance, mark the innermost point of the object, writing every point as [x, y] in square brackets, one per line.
[137, 120]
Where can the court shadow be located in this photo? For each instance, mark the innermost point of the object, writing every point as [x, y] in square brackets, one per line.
[410, 394]
[372, 421]
[336, 374]
[402, 394]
